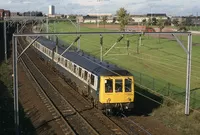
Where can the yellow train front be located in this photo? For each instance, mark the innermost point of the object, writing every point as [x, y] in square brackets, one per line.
[116, 92]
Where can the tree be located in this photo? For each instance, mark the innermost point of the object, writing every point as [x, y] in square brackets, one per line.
[188, 21]
[144, 21]
[167, 22]
[114, 19]
[149, 21]
[154, 21]
[161, 24]
[123, 17]
[175, 22]
[104, 18]
[72, 17]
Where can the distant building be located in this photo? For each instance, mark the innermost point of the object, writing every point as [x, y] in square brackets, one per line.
[187, 20]
[51, 10]
[4, 13]
[90, 19]
[100, 14]
[157, 16]
[32, 13]
[80, 19]
[57, 16]
[14, 14]
[139, 18]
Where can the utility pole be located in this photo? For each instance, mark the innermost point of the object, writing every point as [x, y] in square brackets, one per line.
[188, 76]
[101, 48]
[47, 26]
[5, 40]
[151, 16]
[79, 41]
[15, 86]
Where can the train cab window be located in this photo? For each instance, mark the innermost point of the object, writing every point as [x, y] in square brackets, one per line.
[108, 85]
[118, 85]
[128, 85]
[80, 71]
[92, 80]
[85, 75]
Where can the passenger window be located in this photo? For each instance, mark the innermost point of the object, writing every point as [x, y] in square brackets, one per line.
[118, 85]
[108, 85]
[66, 63]
[62, 60]
[74, 68]
[80, 71]
[71, 66]
[92, 80]
[85, 75]
[128, 85]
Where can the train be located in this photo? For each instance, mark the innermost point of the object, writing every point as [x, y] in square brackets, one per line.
[108, 86]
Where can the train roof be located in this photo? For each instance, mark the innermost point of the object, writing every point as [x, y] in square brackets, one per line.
[86, 61]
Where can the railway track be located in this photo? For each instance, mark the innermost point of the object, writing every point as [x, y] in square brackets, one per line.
[56, 114]
[70, 121]
[81, 118]
[100, 123]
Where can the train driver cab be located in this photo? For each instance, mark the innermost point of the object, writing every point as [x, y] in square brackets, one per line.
[116, 89]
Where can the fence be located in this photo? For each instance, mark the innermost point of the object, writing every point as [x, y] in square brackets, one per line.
[165, 88]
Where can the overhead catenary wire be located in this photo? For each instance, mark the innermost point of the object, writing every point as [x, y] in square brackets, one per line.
[157, 62]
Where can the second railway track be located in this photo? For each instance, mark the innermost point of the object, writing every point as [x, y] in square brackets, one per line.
[81, 121]
[64, 114]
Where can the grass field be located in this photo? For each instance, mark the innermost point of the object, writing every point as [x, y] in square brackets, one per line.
[159, 65]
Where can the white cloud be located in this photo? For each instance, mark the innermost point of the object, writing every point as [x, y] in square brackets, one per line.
[172, 7]
[91, 2]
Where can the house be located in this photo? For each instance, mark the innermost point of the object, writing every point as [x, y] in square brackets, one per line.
[157, 16]
[80, 19]
[139, 18]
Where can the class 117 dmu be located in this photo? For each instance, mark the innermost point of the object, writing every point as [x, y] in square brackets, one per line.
[108, 85]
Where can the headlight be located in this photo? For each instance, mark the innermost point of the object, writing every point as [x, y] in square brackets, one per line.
[129, 99]
[108, 100]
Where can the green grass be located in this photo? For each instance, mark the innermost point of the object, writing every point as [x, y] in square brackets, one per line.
[6, 106]
[157, 64]
[175, 119]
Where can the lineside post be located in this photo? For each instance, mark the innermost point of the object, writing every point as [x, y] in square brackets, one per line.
[15, 86]
[188, 76]
[5, 41]
[79, 41]
[47, 26]
[101, 48]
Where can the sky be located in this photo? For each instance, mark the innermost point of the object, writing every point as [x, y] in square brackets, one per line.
[170, 7]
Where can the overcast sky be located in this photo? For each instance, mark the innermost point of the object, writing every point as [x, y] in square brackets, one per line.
[171, 7]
